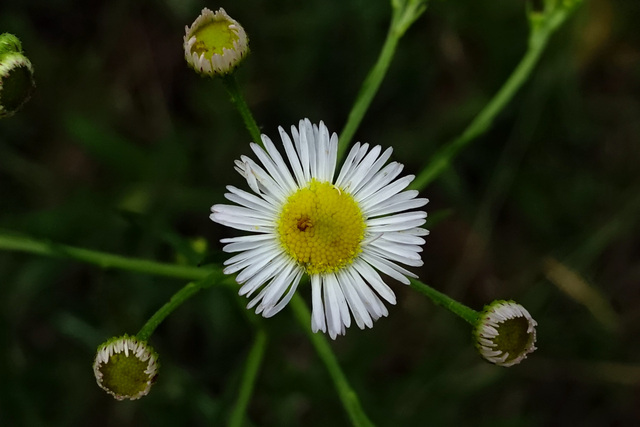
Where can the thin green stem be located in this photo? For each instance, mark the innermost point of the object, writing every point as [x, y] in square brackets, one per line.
[404, 14]
[102, 259]
[461, 310]
[203, 276]
[347, 395]
[367, 92]
[542, 27]
[252, 367]
[233, 89]
[176, 301]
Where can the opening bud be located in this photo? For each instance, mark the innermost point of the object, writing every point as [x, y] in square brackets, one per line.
[215, 43]
[16, 76]
[505, 333]
[125, 367]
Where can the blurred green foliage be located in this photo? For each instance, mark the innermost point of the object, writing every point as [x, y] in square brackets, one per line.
[124, 149]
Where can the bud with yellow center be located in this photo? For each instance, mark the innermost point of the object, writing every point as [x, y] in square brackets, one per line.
[16, 76]
[215, 43]
[125, 367]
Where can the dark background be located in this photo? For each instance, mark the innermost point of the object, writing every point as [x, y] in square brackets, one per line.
[124, 149]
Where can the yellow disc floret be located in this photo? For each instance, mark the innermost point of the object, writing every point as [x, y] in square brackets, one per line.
[213, 37]
[321, 227]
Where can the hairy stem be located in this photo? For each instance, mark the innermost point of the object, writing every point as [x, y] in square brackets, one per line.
[347, 395]
[543, 25]
[235, 94]
[252, 367]
[176, 301]
[461, 310]
[404, 14]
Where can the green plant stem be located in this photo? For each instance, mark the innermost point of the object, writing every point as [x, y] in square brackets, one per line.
[176, 301]
[542, 27]
[102, 259]
[233, 89]
[367, 92]
[204, 277]
[461, 310]
[252, 367]
[404, 14]
[348, 397]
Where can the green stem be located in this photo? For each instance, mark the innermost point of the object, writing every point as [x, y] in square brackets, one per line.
[347, 395]
[233, 89]
[103, 259]
[254, 360]
[204, 277]
[461, 310]
[403, 16]
[542, 27]
[367, 92]
[176, 301]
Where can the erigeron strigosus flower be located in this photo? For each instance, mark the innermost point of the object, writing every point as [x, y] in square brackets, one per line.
[340, 231]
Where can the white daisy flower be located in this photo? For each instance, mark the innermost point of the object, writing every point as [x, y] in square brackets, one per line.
[340, 231]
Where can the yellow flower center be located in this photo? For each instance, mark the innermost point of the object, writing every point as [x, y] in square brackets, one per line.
[213, 37]
[321, 227]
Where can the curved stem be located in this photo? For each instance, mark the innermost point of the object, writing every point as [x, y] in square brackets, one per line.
[367, 92]
[542, 27]
[176, 301]
[102, 259]
[205, 277]
[403, 16]
[461, 310]
[233, 89]
[347, 395]
[252, 367]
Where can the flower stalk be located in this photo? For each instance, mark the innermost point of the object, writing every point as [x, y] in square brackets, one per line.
[459, 309]
[238, 101]
[176, 301]
[404, 14]
[252, 367]
[542, 26]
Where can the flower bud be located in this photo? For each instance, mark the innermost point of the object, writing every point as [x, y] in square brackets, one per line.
[505, 333]
[16, 76]
[215, 43]
[125, 367]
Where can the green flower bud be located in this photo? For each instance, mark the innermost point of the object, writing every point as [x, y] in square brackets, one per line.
[215, 43]
[125, 367]
[16, 76]
[505, 333]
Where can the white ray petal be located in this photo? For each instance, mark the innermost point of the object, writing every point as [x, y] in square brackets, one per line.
[269, 312]
[374, 279]
[380, 180]
[292, 155]
[317, 316]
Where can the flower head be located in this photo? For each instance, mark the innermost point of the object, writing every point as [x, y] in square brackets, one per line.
[340, 231]
[125, 367]
[16, 76]
[505, 333]
[215, 43]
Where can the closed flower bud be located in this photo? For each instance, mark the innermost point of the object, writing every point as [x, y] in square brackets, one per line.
[505, 333]
[125, 367]
[215, 43]
[16, 76]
